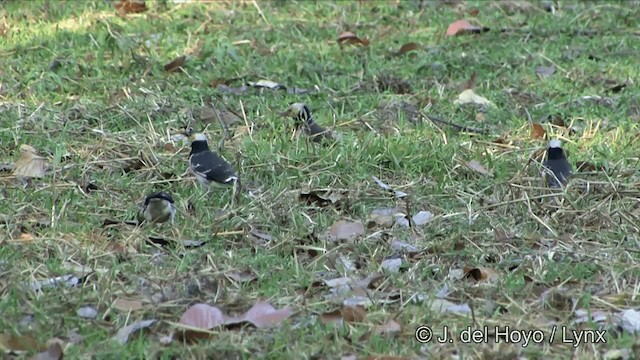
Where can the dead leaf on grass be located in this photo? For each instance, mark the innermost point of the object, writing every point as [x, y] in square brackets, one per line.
[127, 305]
[242, 276]
[479, 168]
[349, 38]
[346, 230]
[30, 164]
[18, 343]
[470, 97]
[460, 27]
[123, 334]
[407, 48]
[53, 352]
[348, 314]
[67, 281]
[389, 328]
[206, 317]
[322, 197]
[391, 265]
[87, 312]
[176, 64]
[214, 116]
[545, 71]
[399, 194]
[537, 131]
[130, 7]
[481, 274]
[443, 306]
[272, 85]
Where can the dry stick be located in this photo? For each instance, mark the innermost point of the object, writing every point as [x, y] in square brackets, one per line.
[435, 119]
[225, 129]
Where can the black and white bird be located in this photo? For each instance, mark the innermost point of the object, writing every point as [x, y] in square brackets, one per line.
[207, 166]
[556, 165]
[303, 118]
[157, 208]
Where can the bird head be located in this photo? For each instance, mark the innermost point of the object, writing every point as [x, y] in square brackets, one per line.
[299, 111]
[198, 137]
[555, 143]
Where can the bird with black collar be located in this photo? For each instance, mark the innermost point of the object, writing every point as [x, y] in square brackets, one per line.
[157, 208]
[302, 115]
[557, 168]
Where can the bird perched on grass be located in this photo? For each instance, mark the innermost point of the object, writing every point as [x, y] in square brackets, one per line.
[557, 167]
[157, 208]
[207, 166]
[303, 118]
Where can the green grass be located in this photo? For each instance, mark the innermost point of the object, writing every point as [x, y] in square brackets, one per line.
[109, 102]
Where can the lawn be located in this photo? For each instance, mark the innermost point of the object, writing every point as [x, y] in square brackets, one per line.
[425, 211]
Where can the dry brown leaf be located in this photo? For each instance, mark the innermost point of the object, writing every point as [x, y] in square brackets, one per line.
[354, 314]
[322, 197]
[263, 315]
[349, 38]
[123, 334]
[128, 305]
[537, 131]
[460, 27]
[176, 64]
[30, 164]
[481, 274]
[242, 276]
[346, 231]
[479, 168]
[16, 343]
[26, 237]
[390, 328]
[204, 316]
[348, 314]
[53, 352]
[131, 7]
[406, 48]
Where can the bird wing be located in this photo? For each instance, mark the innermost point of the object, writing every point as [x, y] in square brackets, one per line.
[213, 167]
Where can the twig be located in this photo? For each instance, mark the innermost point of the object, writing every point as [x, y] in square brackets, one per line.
[436, 119]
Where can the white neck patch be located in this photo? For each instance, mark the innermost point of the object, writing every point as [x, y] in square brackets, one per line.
[200, 137]
[555, 143]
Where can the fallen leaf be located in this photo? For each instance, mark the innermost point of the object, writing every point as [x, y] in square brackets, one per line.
[389, 328]
[399, 194]
[18, 343]
[127, 305]
[87, 312]
[470, 97]
[545, 71]
[266, 84]
[123, 334]
[537, 131]
[209, 116]
[176, 64]
[348, 314]
[402, 246]
[481, 274]
[131, 7]
[53, 352]
[233, 90]
[30, 164]
[349, 38]
[322, 197]
[406, 48]
[345, 231]
[479, 168]
[443, 306]
[263, 315]
[630, 321]
[26, 237]
[242, 276]
[617, 354]
[391, 265]
[460, 27]
[422, 217]
[203, 316]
